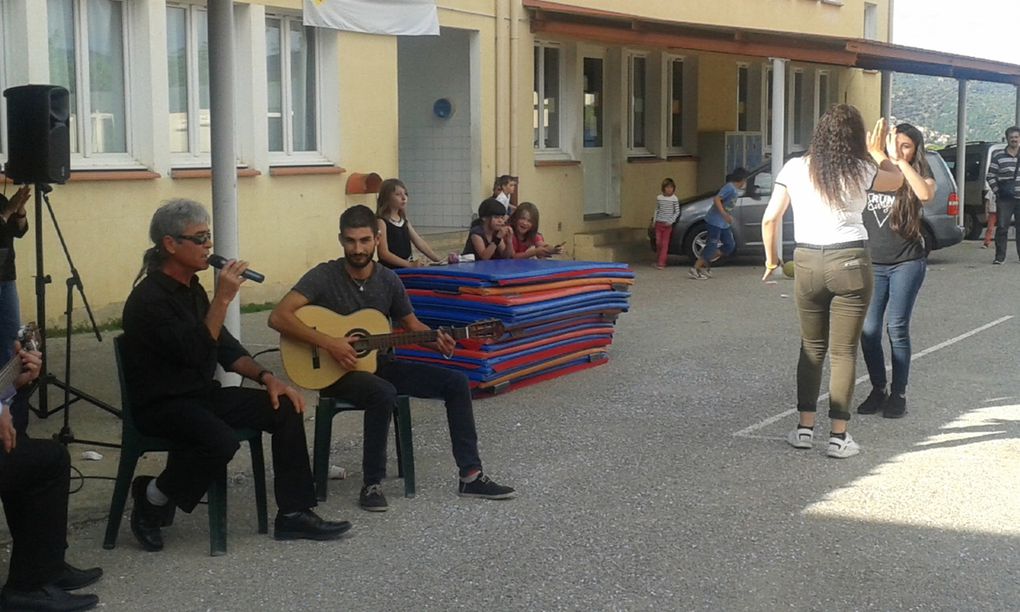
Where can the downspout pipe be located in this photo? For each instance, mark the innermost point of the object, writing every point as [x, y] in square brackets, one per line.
[221, 114]
[502, 88]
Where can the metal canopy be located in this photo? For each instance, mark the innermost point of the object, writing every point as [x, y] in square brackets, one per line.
[619, 28]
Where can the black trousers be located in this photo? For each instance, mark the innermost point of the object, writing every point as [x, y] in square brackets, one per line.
[34, 481]
[1006, 209]
[376, 394]
[205, 425]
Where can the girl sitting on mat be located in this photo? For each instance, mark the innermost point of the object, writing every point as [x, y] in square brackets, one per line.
[490, 237]
[527, 242]
[395, 232]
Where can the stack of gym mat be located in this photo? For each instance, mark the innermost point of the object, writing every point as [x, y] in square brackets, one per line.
[557, 316]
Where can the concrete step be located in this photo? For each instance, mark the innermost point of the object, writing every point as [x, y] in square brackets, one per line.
[622, 252]
[610, 236]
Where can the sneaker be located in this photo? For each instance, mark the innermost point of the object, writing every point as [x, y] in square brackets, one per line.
[802, 437]
[875, 401]
[997, 262]
[484, 487]
[372, 499]
[895, 407]
[706, 273]
[841, 449]
[984, 246]
[696, 274]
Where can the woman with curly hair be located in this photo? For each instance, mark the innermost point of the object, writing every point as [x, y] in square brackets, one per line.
[899, 262]
[833, 279]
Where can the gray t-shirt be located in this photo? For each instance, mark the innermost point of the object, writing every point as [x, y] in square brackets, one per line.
[330, 286]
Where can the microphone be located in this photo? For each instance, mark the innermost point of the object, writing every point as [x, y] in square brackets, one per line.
[218, 261]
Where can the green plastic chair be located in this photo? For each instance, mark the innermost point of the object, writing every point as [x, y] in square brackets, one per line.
[134, 444]
[329, 407]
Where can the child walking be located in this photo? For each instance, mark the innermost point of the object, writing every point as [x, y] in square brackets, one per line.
[719, 221]
[395, 232]
[527, 242]
[667, 210]
[503, 190]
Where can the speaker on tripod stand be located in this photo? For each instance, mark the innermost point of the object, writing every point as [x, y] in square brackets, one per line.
[39, 142]
[38, 134]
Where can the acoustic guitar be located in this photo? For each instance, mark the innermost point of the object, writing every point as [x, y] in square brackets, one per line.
[368, 331]
[28, 335]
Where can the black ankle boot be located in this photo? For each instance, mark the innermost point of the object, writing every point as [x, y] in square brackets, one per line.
[895, 407]
[874, 403]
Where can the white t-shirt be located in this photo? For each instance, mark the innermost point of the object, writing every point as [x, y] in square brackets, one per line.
[814, 220]
[504, 199]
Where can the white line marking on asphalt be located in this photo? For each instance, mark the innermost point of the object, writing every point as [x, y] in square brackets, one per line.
[747, 431]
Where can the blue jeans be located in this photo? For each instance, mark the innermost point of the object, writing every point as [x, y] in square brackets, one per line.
[896, 288]
[10, 319]
[715, 234]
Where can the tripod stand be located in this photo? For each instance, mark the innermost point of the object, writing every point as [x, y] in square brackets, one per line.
[65, 436]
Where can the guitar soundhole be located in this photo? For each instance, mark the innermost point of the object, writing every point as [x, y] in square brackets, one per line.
[357, 341]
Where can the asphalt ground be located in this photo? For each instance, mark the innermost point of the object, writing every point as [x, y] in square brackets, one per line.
[660, 480]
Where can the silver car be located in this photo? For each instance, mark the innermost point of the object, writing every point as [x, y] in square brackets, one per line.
[690, 232]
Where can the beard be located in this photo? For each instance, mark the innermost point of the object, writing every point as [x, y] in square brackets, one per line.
[359, 261]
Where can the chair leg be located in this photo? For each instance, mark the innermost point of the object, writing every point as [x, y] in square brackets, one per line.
[320, 448]
[405, 444]
[398, 440]
[218, 514]
[125, 471]
[258, 470]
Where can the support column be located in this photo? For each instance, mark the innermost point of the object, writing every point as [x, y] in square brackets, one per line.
[778, 130]
[1017, 122]
[515, 79]
[224, 172]
[886, 103]
[503, 91]
[961, 145]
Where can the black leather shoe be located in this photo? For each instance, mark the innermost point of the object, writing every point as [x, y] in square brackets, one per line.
[307, 525]
[47, 599]
[72, 578]
[146, 518]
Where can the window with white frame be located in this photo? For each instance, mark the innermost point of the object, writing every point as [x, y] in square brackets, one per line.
[187, 49]
[546, 97]
[87, 44]
[822, 95]
[291, 61]
[797, 114]
[637, 81]
[743, 96]
[870, 21]
[676, 103]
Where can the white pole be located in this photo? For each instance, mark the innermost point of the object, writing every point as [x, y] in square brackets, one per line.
[224, 172]
[961, 145]
[778, 130]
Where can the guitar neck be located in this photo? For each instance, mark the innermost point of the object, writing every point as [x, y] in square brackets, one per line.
[385, 341]
[8, 373]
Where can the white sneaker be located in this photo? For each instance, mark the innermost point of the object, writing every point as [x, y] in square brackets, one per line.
[696, 274]
[841, 449]
[802, 437]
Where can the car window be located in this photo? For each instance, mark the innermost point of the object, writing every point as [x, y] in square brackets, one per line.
[973, 168]
[763, 183]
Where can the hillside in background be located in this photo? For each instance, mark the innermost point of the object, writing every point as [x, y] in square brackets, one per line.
[930, 104]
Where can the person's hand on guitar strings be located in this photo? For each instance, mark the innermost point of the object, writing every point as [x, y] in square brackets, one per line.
[276, 387]
[342, 351]
[31, 364]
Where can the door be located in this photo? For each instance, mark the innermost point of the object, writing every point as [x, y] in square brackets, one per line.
[595, 155]
[748, 211]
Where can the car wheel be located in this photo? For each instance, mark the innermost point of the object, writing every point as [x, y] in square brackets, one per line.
[929, 239]
[972, 227]
[694, 242]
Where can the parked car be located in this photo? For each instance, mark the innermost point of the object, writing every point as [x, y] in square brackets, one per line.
[939, 224]
[979, 154]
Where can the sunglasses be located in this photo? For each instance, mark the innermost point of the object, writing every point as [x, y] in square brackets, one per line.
[198, 239]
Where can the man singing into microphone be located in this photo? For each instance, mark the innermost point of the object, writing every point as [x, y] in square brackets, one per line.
[173, 339]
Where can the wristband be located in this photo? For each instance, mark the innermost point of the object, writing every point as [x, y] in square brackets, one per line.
[261, 375]
[771, 266]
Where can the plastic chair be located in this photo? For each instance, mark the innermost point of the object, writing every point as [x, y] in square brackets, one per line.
[134, 444]
[329, 407]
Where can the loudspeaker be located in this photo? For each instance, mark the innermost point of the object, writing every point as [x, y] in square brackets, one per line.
[38, 134]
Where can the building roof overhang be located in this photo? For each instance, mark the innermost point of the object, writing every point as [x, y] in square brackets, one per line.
[582, 23]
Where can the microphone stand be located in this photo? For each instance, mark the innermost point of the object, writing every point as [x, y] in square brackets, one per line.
[65, 436]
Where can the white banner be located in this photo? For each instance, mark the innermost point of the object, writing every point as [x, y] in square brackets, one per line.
[395, 17]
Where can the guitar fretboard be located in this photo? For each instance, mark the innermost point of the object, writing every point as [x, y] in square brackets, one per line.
[384, 341]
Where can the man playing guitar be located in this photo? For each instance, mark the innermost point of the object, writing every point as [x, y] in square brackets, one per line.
[354, 283]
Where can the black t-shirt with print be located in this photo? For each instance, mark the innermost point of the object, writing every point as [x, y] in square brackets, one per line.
[887, 246]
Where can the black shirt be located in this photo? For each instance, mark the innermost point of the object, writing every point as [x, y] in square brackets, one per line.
[168, 351]
[398, 240]
[9, 230]
[886, 246]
